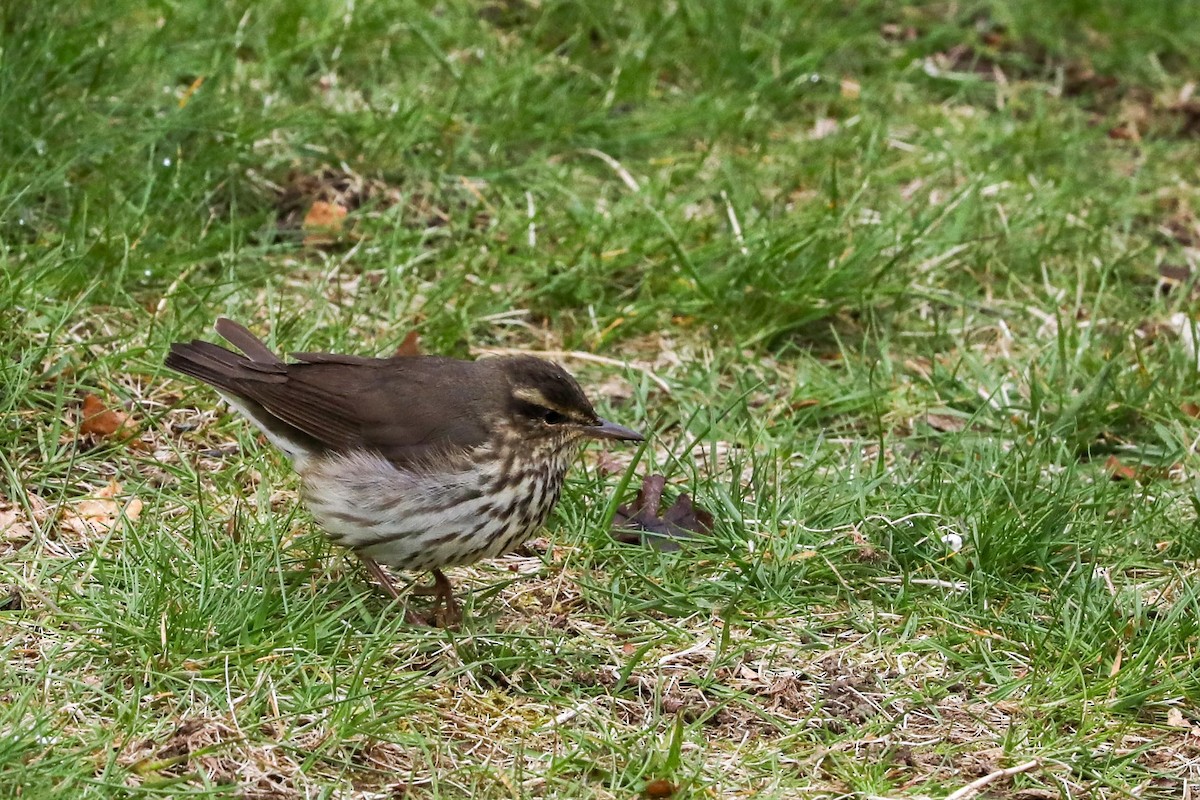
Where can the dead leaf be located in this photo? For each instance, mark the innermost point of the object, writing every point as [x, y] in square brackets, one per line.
[100, 421]
[16, 530]
[1191, 409]
[339, 191]
[13, 525]
[1175, 718]
[323, 223]
[411, 346]
[946, 423]
[641, 523]
[866, 550]
[100, 511]
[1125, 132]
[659, 788]
[1119, 471]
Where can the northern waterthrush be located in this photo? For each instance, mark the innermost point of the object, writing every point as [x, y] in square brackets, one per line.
[416, 462]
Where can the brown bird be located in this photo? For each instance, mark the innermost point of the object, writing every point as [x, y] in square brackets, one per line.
[416, 462]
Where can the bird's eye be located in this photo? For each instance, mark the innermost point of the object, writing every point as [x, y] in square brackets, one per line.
[551, 417]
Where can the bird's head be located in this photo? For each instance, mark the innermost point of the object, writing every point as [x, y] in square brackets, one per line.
[546, 403]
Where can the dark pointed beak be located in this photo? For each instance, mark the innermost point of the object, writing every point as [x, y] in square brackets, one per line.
[611, 430]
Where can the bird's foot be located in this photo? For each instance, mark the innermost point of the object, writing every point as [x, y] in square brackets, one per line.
[381, 577]
[446, 610]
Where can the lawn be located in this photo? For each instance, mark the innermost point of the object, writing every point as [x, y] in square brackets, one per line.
[901, 293]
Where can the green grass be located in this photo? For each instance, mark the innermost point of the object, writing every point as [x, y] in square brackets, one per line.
[897, 264]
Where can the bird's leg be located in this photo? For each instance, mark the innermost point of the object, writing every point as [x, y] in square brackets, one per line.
[446, 610]
[381, 578]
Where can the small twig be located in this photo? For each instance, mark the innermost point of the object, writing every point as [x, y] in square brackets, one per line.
[175, 284]
[957, 586]
[531, 209]
[733, 223]
[470, 186]
[570, 713]
[972, 788]
[622, 173]
[578, 355]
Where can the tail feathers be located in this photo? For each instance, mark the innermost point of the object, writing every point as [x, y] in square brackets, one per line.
[239, 379]
[223, 368]
[237, 335]
[219, 367]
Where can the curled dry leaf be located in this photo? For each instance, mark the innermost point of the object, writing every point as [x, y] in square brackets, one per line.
[642, 524]
[99, 421]
[657, 789]
[14, 527]
[100, 511]
[1119, 471]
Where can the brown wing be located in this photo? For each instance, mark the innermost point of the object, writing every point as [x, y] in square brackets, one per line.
[407, 409]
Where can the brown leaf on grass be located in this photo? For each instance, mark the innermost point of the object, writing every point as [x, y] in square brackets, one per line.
[945, 423]
[99, 421]
[13, 525]
[1125, 132]
[411, 346]
[1119, 471]
[323, 223]
[16, 530]
[658, 789]
[642, 524]
[1191, 409]
[100, 511]
[333, 187]
[865, 550]
[316, 203]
